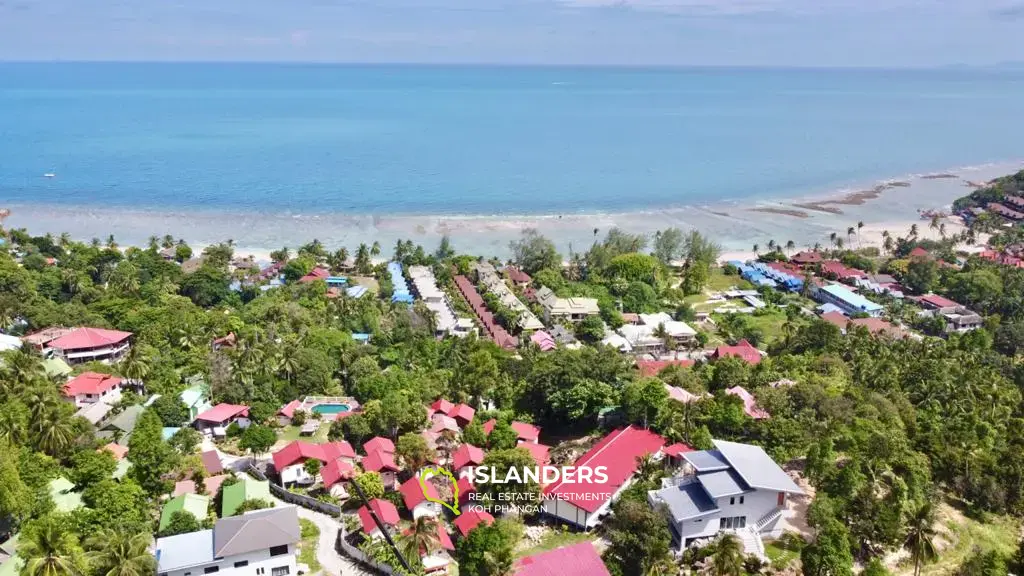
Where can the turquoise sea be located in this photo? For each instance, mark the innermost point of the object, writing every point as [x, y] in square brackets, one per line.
[449, 140]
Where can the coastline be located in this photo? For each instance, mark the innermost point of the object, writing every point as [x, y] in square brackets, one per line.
[891, 204]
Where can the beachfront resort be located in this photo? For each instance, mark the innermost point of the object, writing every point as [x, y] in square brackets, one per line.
[333, 413]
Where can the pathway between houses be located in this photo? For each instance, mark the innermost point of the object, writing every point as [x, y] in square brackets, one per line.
[332, 562]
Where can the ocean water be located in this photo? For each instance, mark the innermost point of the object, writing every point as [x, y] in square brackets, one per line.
[424, 140]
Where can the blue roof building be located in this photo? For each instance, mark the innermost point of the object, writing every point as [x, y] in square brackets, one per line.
[848, 301]
[401, 291]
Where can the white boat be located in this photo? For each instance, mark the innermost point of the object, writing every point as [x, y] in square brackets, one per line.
[49, 175]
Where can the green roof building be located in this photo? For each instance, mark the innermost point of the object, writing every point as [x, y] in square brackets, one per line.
[56, 368]
[63, 495]
[195, 504]
[245, 489]
[197, 398]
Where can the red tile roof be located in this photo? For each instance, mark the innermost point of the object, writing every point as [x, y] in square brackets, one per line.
[288, 410]
[837, 318]
[336, 471]
[677, 449]
[497, 333]
[750, 407]
[412, 492]
[654, 367]
[228, 341]
[539, 452]
[463, 412]
[841, 271]
[442, 536]
[385, 511]
[442, 405]
[618, 452]
[467, 454]
[806, 257]
[380, 460]
[576, 560]
[524, 431]
[117, 450]
[211, 461]
[315, 274]
[919, 253]
[223, 412]
[85, 338]
[470, 519]
[742, 350]
[465, 489]
[91, 383]
[379, 443]
[937, 301]
[518, 276]
[300, 451]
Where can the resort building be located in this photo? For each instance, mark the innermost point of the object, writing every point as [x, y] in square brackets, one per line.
[383, 463]
[957, 316]
[196, 397]
[517, 277]
[743, 350]
[216, 420]
[384, 511]
[570, 309]
[525, 432]
[89, 388]
[493, 283]
[400, 290]
[446, 323]
[246, 488]
[335, 475]
[290, 461]
[584, 504]
[575, 560]
[415, 497]
[80, 345]
[876, 326]
[495, 331]
[544, 341]
[465, 458]
[806, 258]
[734, 488]
[261, 542]
[846, 300]
[654, 367]
[470, 519]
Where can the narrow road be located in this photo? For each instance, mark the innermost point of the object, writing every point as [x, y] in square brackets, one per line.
[331, 561]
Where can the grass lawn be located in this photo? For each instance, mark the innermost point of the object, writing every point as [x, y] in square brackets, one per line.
[779, 556]
[718, 281]
[770, 324]
[556, 539]
[962, 535]
[290, 433]
[307, 547]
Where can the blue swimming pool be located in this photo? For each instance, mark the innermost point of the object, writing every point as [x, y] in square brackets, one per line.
[330, 408]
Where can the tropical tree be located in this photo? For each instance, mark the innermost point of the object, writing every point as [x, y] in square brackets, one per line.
[790, 245]
[421, 539]
[728, 557]
[135, 365]
[116, 553]
[920, 537]
[375, 249]
[49, 549]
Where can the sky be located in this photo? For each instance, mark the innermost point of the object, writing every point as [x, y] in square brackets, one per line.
[873, 33]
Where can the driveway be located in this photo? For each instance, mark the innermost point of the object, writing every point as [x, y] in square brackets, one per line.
[330, 560]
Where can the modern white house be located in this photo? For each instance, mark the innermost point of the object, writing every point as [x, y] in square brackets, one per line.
[258, 543]
[571, 309]
[446, 321]
[733, 488]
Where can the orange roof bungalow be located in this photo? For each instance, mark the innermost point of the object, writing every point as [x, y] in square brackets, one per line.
[654, 367]
[470, 519]
[287, 412]
[118, 451]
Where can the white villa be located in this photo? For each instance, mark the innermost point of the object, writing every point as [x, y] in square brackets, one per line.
[571, 309]
[733, 488]
[446, 321]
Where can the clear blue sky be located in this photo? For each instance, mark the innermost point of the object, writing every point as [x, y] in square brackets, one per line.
[673, 32]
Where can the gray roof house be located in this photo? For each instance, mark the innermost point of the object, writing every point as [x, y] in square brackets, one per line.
[238, 545]
[732, 488]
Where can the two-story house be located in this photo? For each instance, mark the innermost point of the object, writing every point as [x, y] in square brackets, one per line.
[290, 461]
[734, 487]
[258, 543]
[89, 388]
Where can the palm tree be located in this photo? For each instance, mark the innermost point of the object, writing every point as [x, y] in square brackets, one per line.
[421, 539]
[288, 361]
[48, 550]
[839, 243]
[920, 535]
[771, 245]
[832, 238]
[135, 364]
[849, 234]
[887, 245]
[167, 242]
[666, 337]
[648, 469]
[913, 230]
[111, 243]
[114, 553]
[363, 259]
[790, 245]
[728, 559]
[756, 247]
[375, 249]
[53, 433]
[153, 243]
[942, 230]
[65, 240]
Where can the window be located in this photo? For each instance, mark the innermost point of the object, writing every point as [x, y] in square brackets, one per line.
[279, 571]
[733, 523]
[278, 550]
[732, 501]
[741, 499]
[211, 569]
[242, 563]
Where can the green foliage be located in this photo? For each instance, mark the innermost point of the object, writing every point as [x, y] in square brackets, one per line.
[636, 268]
[257, 439]
[117, 505]
[640, 297]
[182, 522]
[642, 400]
[829, 554]
[171, 410]
[591, 329]
[186, 440]
[253, 504]
[90, 467]
[533, 252]
[474, 433]
[372, 485]
[526, 491]
[489, 550]
[151, 457]
[413, 450]
[981, 563]
[502, 436]
[922, 275]
[638, 538]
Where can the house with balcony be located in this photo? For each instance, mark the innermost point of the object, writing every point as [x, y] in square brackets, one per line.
[82, 345]
[734, 488]
[91, 388]
[567, 309]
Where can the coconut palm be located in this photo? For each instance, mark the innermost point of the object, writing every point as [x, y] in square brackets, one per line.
[111, 243]
[728, 558]
[832, 238]
[942, 230]
[756, 248]
[790, 245]
[167, 242]
[920, 537]
[114, 553]
[49, 550]
[65, 240]
[375, 249]
[849, 234]
[53, 433]
[421, 539]
[153, 243]
[23, 365]
[135, 364]
[839, 243]
[363, 259]
[887, 245]
[771, 245]
[913, 230]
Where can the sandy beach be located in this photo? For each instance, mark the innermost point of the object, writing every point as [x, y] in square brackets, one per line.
[892, 204]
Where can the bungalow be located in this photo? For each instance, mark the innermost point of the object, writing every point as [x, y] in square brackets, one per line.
[415, 497]
[211, 461]
[674, 454]
[495, 331]
[227, 341]
[465, 458]
[876, 326]
[315, 274]
[654, 367]
[383, 463]
[334, 476]
[195, 504]
[91, 345]
[517, 276]
[290, 461]
[838, 271]
[234, 495]
[957, 316]
[196, 398]
[750, 407]
[90, 387]
[463, 414]
[441, 405]
[492, 282]
[543, 340]
[122, 426]
[441, 423]
[525, 432]
[287, 412]
[571, 309]
[216, 420]
[438, 561]
[263, 542]
[116, 450]
[384, 511]
[733, 488]
[211, 485]
[585, 503]
[470, 519]
[684, 396]
[743, 350]
[465, 486]
[848, 301]
[681, 332]
[378, 443]
[540, 453]
[575, 560]
[806, 258]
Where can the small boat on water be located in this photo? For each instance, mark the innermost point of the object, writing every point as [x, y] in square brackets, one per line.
[49, 175]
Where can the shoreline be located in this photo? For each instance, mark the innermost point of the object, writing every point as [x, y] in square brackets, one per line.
[736, 225]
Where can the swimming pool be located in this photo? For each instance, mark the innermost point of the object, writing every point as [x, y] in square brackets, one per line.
[330, 408]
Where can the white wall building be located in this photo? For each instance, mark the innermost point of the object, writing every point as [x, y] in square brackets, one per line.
[735, 488]
[447, 322]
[571, 309]
[258, 543]
[495, 284]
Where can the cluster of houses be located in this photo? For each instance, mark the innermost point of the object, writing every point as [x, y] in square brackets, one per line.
[446, 321]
